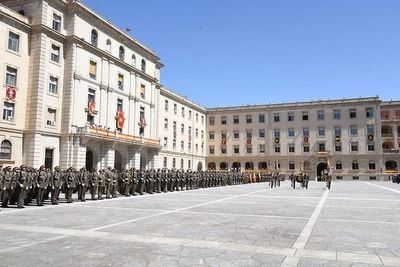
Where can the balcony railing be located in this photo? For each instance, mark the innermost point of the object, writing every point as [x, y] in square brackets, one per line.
[390, 150]
[387, 135]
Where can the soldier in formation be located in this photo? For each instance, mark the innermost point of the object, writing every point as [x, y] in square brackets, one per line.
[23, 185]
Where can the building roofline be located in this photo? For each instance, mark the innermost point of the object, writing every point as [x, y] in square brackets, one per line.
[180, 98]
[124, 34]
[297, 104]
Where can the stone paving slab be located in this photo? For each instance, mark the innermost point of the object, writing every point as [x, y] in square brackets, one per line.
[354, 224]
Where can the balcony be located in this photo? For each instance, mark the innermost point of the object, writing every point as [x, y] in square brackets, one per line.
[390, 150]
[114, 136]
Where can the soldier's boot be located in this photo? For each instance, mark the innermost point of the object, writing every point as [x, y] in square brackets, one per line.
[164, 186]
[158, 186]
[21, 198]
[141, 187]
[134, 189]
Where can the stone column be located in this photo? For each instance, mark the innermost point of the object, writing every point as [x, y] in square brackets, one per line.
[133, 157]
[395, 136]
[107, 155]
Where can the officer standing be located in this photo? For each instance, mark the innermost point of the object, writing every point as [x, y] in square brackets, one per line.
[71, 177]
[41, 185]
[56, 183]
[102, 185]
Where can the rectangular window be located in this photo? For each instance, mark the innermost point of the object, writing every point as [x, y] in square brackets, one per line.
[261, 118]
[55, 53]
[53, 85]
[236, 149]
[223, 120]
[182, 128]
[338, 148]
[371, 147]
[306, 148]
[165, 141]
[336, 114]
[56, 22]
[306, 132]
[339, 165]
[92, 69]
[51, 117]
[183, 112]
[261, 133]
[248, 134]
[223, 135]
[174, 143]
[262, 149]
[372, 165]
[211, 121]
[338, 131]
[321, 115]
[353, 130]
[290, 116]
[352, 113]
[196, 133]
[175, 109]
[197, 148]
[305, 115]
[354, 146]
[223, 149]
[321, 131]
[120, 104]
[248, 118]
[182, 145]
[202, 134]
[369, 112]
[321, 147]
[202, 119]
[236, 135]
[165, 123]
[276, 117]
[235, 119]
[190, 114]
[291, 148]
[8, 111]
[11, 76]
[277, 149]
[120, 81]
[211, 135]
[13, 41]
[291, 132]
[277, 133]
[370, 129]
[354, 165]
[211, 150]
[166, 106]
[142, 91]
[249, 149]
[197, 117]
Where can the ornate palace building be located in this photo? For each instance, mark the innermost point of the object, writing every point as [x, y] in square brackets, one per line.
[77, 91]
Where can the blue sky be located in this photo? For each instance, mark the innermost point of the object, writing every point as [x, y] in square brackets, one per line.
[231, 52]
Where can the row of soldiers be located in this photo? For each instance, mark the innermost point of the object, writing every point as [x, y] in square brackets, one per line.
[21, 185]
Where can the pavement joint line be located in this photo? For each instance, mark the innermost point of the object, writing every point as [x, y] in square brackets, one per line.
[172, 211]
[305, 234]
[358, 221]
[384, 187]
[267, 203]
[292, 255]
[365, 199]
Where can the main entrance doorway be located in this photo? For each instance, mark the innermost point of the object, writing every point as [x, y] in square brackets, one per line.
[320, 167]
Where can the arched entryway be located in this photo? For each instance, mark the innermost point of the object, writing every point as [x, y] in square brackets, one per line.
[391, 166]
[236, 165]
[118, 161]
[249, 166]
[223, 166]
[262, 166]
[199, 166]
[89, 159]
[320, 167]
[211, 166]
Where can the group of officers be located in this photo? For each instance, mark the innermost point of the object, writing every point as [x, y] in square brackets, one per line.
[22, 185]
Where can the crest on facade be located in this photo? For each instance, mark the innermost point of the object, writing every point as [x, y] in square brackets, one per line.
[91, 106]
[120, 119]
[10, 93]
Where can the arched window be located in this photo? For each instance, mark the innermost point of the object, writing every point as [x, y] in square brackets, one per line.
[94, 37]
[143, 65]
[386, 131]
[173, 163]
[165, 162]
[133, 60]
[121, 53]
[223, 166]
[236, 165]
[372, 165]
[354, 165]
[211, 166]
[5, 150]
[390, 165]
[108, 45]
[189, 164]
[182, 163]
[291, 165]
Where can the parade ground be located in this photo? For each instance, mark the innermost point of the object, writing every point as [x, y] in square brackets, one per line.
[356, 223]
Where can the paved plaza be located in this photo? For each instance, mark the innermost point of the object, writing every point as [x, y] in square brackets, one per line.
[354, 224]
